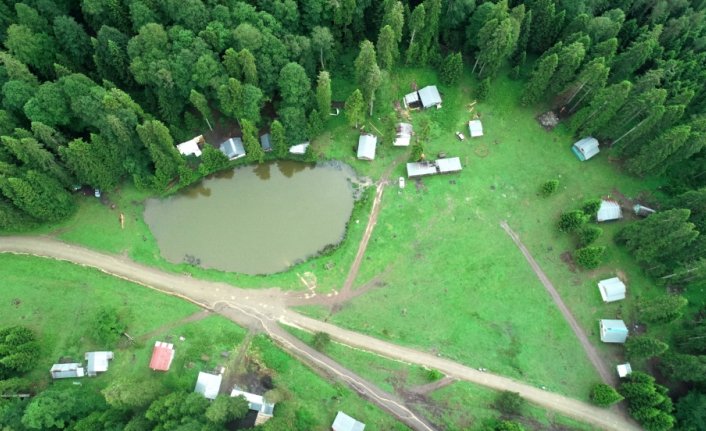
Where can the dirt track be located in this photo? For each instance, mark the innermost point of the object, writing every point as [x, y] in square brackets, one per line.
[263, 309]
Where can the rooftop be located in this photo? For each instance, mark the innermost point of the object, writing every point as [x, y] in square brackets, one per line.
[162, 356]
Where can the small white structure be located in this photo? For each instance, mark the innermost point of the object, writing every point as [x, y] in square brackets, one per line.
[642, 211]
[233, 148]
[367, 144]
[402, 182]
[299, 149]
[97, 362]
[191, 146]
[67, 371]
[256, 403]
[404, 135]
[612, 289]
[613, 331]
[609, 210]
[208, 385]
[411, 100]
[475, 128]
[429, 97]
[585, 148]
[432, 167]
[343, 422]
[624, 370]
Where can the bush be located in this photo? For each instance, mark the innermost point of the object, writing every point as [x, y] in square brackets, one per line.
[664, 309]
[590, 207]
[434, 375]
[588, 235]
[509, 403]
[572, 220]
[451, 69]
[550, 187]
[644, 347]
[321, 340]
[589, 257]
[108, 326]
[604, 395]
[483, 89]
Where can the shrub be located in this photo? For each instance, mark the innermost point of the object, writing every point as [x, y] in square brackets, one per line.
[590, 207]
[664, 309]
[451, 69]
[604, 395]
[550, 187]
[589, 257]
[483, 89]
[572, 220]
[434, 375]
[589, 234]
[108, 326]
[509, 403]
[321, 340]
[644, 347]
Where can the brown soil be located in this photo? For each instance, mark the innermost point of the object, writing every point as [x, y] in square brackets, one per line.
[164, 328]
[568, 259]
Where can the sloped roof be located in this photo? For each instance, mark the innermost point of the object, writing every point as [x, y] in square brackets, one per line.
[452, 164]
[255, 402]
[624, 370]
[366, 146]
[613, 331]
[586, 148]
[233, 148]
[612, 289]
[429, 96]
[191, 146]
[411, 98]
[404, 135]
[67, 371]
[343, 422]
[162, 356]
[609, 210]
[299, 149]
[265, 142]
[431, 167]
[475, 127]
[208, 384]
[97, 362]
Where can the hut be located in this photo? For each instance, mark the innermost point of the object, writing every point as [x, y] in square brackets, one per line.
[429, 97]
[265, 142]
[403, 135]
[208, 385]
[624, 370]
[475, 128]
[233, 148]
[256, 403]
[366, 146]
[642, 211]
[609, 210]
[191, 146]
[343, 422]
[433, 167]
[299, 149]
[162, 356]
[585, 148]
[97, 362]
[613, 331]
[67, 371]
[612, 289]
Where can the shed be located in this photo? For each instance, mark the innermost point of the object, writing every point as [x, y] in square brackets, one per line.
[208, 384]
[343, 422]
[430, 97]
[642, 211]
[585, 148]
[191, 146]
[233, 148]
[97, 362]
[475, 128]
[67, 371]
[366, 146]
[265, 142]
[609, 210]
[404, 135]
[612, 289]
[624, 370]
[613, 331]
[411, 100]
[256, 403]
[420, 169]
[299, 149]
[162, 356]
[452, 164]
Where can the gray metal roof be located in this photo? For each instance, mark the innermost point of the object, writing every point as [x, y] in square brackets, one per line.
[609, 210]
[475, 127]
[411, 98]
[613, 331]
[97, 362]
[343, 422]
[233, 148]
[431, 167]
[208, 384]
[612, 289]
[366, 146]
[67, 371]
[452, 164]
[265, 142]
[588, 147]
[430, 96]
[255, 402]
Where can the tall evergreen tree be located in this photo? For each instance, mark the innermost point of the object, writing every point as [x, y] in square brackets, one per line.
[156, 138]
[416, 26]
[636, 55]
[569, 59]
[537, 85]
[355, 109]
[601, 109]
[323, 95]
[253, 150]
[387, 48]
[394, 17]
[546, 25]
[367, 73]
[201, 104]
[246, 61]
[322, 42]
[279, 142]
[653, 155]
[92, 163]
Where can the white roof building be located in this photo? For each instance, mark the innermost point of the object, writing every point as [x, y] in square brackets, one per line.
[585, 148]
[208, 385]
[475, 128]
[299, 149]
[404, 135]
[67, 371]
[411, 99]
[191, 146]
[613, 331]
[256, 403]
[432, 167]
[624, 370]
[612, 289]
[366, 147]
[609, 210]
[97, 362]
[429, 96]
[233, 148]
[343, 422]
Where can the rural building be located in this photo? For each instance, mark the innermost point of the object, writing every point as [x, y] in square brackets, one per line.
[97, 362]
[191, 146]
[67, 371]
[427, 97]
[208, 384]
[299, 149]
[613, 331]
[343, 422]
[256, 403]
[404, 135]
[432, 167]
[624, 370]
[233, 148]
[642, 211]
[366, 146]
[162, 356]
[475, 128]
[612, 289]
[609, 210]
[265, 142]
[585, 148]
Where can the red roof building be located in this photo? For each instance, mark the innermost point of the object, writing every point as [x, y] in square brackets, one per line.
[162, 356]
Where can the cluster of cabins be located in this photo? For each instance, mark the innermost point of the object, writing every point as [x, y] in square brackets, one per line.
[614, 330]
[96, 362]
[233, 148]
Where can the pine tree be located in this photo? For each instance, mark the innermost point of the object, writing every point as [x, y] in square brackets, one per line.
[156, 138]
[495, 44]
[355, 109]
[601, 109]
[322, 42]
[246, 61]
[279, 143]
[591, 79]
[451, 69]
[387, 48]
[644, 347]
[253, 150]
[323, 95]
[653, 155]
[89, 163]
[636, 55]
[546, 24]
[416, 25]
[199, 101]
[518, 57]
[570, 58]
[394, 17]
[367, 73]
[537, 85]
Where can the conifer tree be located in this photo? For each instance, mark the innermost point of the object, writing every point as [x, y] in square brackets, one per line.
[601, 109]
[451, 69]
[367, 73]
[199, 101]
[253, 150]
[279, 143]
[537, 85]
[387, 48]
[636, 55]
[355, 109]
[323, 95]
[416, 26]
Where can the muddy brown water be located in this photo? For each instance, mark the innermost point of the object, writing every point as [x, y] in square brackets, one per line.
[255, 219]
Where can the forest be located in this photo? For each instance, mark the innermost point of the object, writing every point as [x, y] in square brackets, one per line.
[98, 92]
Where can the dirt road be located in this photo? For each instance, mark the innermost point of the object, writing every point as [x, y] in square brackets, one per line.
[263, 309]
[593, 356]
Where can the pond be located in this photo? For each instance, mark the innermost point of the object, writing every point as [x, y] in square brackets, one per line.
[255, 219]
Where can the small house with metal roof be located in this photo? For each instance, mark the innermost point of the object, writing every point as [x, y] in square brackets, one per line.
[256, 403]
[366, 146]
[585, 148]
[97, 362]
[299, 148]
[403, 135]
[609, 210]
[265, 142]
[343, 422]
[624, 370]
[208, 384]
[191, 147]
[67, 371]
[162, 356]
[233, 148]
[475, 128]
[612, 289]
[429, 97]
[613, 331]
